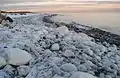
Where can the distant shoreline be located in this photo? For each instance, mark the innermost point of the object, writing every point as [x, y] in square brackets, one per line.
[60, 11]
[17, 11]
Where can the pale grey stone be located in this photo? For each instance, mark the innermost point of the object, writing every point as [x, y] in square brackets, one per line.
[69, 67]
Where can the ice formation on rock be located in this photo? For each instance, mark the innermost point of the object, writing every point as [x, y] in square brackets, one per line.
[18, 57]
[40, 46]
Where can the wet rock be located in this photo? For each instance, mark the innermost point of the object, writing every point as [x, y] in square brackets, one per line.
[17, 56]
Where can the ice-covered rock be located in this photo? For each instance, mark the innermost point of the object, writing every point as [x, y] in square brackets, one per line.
[48, 52]
[82, 67]
[10, 70]
[51, 48]
[2, 62]
[82, 75]
[55, 46]
[102, 75]
[56, 60]
[88, 51]
[89, 63]
[17, 56]
[69, 53]
[68, 67]
[5, 36]
[108, 76]
[23, 70]
[57, 76]
[62, 30]
[57, 70]
[3, 74]
[1, 25]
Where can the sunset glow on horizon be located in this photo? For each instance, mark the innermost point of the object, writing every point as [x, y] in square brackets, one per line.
[59, 5]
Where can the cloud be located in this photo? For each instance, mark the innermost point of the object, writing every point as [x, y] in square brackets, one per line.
[20, 1]
[42, 4]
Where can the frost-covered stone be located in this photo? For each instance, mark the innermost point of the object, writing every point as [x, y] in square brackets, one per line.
[1, 77]
[47, 52]
[18, 57]
[55, 46]
[69, 53]
[69, 67]
[23, 70]
[10, 70]
[3, 74]
[97, 57]
[62, 30]
[85, 36]
[76, 36]
[102, 75]
[82, 67]
[57, 70]
[5, 36]
[56, 60]
[57, 76]
[82, 75]
[108, 76]
[89, 51]
[2, 62]
[30, 33]
[89, 63]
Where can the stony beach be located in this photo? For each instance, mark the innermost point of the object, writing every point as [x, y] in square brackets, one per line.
[44, 46]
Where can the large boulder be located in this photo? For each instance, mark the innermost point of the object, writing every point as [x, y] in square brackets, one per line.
[68, 67]
[17, 56]
[2, 62]
[62, 30]
[82, 75]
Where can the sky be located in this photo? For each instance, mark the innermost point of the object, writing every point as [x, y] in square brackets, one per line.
[56, 5]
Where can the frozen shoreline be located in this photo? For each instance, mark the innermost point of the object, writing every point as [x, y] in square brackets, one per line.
[55, 49]
[99, 34]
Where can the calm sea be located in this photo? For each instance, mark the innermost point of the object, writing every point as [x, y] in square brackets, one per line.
[109, 21]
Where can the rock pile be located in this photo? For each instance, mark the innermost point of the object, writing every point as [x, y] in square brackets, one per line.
[35, 50]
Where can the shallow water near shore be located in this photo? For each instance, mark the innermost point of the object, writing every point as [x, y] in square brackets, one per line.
[109, 21]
